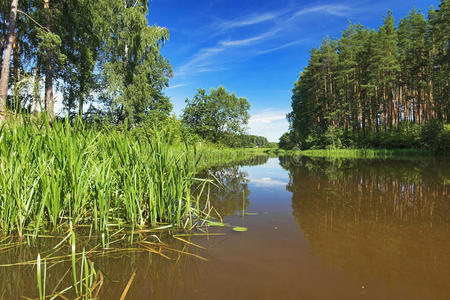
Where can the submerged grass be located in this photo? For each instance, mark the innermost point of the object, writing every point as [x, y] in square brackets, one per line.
[51, 176]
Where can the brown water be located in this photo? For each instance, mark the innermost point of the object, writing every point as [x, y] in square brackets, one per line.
[317, 229]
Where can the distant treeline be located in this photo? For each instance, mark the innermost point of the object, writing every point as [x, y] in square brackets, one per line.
[376, 88]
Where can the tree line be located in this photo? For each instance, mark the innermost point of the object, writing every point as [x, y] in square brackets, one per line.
[104, 59]
[101, 52]
[369, 83]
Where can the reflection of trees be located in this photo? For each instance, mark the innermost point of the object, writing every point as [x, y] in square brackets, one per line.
[377, 219]
[156, 277]
[230, 185]
[229, 190]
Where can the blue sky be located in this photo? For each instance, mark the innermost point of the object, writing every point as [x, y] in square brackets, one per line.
[256, 49]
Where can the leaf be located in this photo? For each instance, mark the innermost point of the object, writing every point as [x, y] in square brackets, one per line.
[213, 223]
[240, 229]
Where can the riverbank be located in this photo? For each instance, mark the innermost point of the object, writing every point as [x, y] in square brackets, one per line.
[54, 175]
[356, 153]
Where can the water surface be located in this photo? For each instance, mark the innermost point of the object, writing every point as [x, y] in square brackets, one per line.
[317, 229]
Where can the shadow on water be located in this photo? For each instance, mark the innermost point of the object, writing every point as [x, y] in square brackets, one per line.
[380, 221]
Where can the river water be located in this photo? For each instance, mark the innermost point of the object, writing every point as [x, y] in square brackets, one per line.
[317, 229]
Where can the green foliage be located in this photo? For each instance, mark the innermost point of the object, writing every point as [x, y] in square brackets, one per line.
[244, 141]
[443, 143]
[104, 177]
[430, 133]
[380, 89]
[287, 141]
[134, 71]
[360, 153]
[333, 138]
[101, 53]
[216, 115]
[176, 132]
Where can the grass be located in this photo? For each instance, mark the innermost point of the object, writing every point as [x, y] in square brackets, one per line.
[60, 174]
[358, 153]
[61, 178]
[50, 177]
[212, 155]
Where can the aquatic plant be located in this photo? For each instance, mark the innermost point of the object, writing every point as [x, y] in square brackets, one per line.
[53, 175]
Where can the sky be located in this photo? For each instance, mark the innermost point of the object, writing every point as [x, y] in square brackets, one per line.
[256, 48]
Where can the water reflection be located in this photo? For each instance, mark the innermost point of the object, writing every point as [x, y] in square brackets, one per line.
[230, 191]
[385, 221]
[344, 229]
[156, 277]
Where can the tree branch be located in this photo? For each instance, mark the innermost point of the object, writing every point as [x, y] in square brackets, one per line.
[34, 21]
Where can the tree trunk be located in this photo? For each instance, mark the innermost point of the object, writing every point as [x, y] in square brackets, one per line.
[7, 58]
[49, 101]
[36, 88]
[16, 57]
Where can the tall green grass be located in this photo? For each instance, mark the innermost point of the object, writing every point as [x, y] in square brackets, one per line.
[53, 175]
[212, 155]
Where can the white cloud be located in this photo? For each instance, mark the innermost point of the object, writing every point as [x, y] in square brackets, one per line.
[336, 10]
[287, 45]
[279, 31]
[245, 42]
[267, 116]
[267, 182]
[177, 86]
[269, 123]
[249, 20]
[199, 61]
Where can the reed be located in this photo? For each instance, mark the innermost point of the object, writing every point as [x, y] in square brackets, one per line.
[51, 176]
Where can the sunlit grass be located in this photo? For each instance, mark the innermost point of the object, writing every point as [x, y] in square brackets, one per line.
[50, 176]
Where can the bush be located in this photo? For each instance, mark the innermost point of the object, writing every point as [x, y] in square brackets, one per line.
[287, 141]
[430, 133]
[332, 138]
[443, 144]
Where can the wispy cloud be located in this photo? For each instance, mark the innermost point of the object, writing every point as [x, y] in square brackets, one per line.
[267, 116]
[281, 29]
[248, 20]
[246, 42]
[336, 10]
[269, 123]
[177, 86]
[199, 61]
[287, 45]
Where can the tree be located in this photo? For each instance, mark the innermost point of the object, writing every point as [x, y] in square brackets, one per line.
[100, 51]
[396, 79]
[133, 70]
[217, 114]
[6, 63]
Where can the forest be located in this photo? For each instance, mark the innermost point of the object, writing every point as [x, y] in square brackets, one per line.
[113, 153]
[384, 88]
[102, 60]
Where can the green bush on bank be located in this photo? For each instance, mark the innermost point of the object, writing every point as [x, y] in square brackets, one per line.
[432, 136]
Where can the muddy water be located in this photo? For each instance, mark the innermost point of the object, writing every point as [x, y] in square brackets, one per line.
[317, 229]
